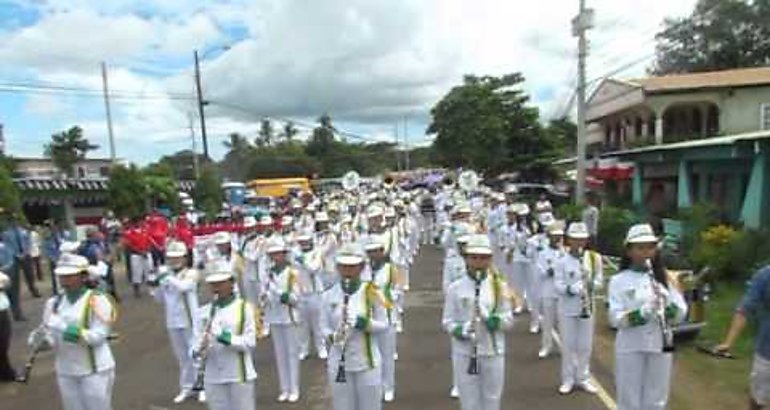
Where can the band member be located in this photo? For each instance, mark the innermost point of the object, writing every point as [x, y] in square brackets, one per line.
[537, 243]
[546, 264]
[477, 312]
[577, 275]
[507, 243]
[308, 262]
[327, 243]
[353, 314]
[283, 293]
[176, 287]
[225, 345]
[387, 277]
[78, 323]
[644, 305]
[521, 257]
[455, 269]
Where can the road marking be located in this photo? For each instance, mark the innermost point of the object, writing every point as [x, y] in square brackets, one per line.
[605, 397]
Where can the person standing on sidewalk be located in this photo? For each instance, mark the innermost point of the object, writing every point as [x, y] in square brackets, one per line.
[35, 243]
[16, 238]
[754, 306]
[7, 374]
[57, 235]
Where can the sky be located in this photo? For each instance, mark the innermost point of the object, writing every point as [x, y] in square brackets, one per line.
[376, 66]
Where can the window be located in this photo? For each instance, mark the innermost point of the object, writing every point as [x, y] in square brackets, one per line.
[764, 116]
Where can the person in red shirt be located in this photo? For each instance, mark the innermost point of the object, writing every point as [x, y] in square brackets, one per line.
[183, 232]
[136, 242]
[158, 230]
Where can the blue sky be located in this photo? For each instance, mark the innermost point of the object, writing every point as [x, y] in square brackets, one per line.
[368, 63]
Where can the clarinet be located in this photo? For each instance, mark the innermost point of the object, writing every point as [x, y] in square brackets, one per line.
[666, 330]
[473, 365]
[585, 295]
[38, 335]
[201, 354]
[342, 338]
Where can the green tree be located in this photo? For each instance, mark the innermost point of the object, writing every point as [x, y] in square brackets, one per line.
[67, 148]
[127, 192]
[161, 187]
[289, 131]
[208, 193]
[486, 124]
[265, 137]
[718, 35]
[240, 152]
[565, 133]
[10, 198]
[181, 163]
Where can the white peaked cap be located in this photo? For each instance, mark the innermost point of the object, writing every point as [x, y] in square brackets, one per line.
[641, 233]
[578, 230]
[176, 249]
[478, 245]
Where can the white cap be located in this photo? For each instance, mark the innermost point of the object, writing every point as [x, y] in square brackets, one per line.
[276, 245]
[641, 233]
[249, 222]
[478, 245]
[511, 189]
[321, 217]
[350, 254]
[543, 206]
[287, 220]
[556, 228]
[176, 249]
[222, 238]
[523, 210]
[546, 219]
[220, 271]
[374, 211]
[69, 247]
[462, 209]
[304, 237]
[69, 264]
[266, 220]
[463, 238]
[374, 243]
[577, 230]
[513, 208]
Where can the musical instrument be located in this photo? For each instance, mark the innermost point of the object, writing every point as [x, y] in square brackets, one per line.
[342, 334]
[388, 182]
[351, 181]
[586, 296]
[666, 330]
[40, 343]
[201, 353]
[473, 364]
[468, 181]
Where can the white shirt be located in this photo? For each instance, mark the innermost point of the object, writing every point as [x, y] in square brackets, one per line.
[454, 269]
[387, 280]
[361, 349]
[568, 280]
[459, 308]
[630, 290]
[92, 309]
[178, 294]
[309, 264]
[277, 283]
[233, 363]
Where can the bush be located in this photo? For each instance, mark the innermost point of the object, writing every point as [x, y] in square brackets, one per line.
[613, 225]
[730, 253]
[569, 212]
[695, 221]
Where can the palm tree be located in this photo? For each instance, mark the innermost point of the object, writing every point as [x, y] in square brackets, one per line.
[237, 143]
[67, 148]
[289, 131]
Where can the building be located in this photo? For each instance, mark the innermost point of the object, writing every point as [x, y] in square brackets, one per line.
[89, 168]
[702, 137]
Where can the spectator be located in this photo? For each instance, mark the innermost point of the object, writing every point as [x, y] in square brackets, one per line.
[755, 305]
[591, 217]
[95, 250]
[57, 235]
[16, 238]
[34, 253]
[7, 374]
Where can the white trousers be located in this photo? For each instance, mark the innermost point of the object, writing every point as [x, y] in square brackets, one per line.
[361, 390]
[386, 341]
[577, 339]
[285, 346]
[140, 267]
[533, 295]
[643, 380]
[483, 391]
[231, 396]
[181, 340]
[91, 392]
[428, 228]
[310, 310]
[520, 279]
[549, 307]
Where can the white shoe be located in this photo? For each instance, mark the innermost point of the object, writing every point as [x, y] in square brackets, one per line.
[565, 388]
[389, 396]
[399, 328]
[323, 354]
[455, 393]
[302, 356]
[294, 397]
[543, 353]
[201, 397]
[534, 329]
[395, 356]
[518, 310]
[588, 387]
[406, 288]
[283, 397]
[182, 396]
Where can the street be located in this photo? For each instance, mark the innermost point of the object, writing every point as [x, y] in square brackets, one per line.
[146, 375]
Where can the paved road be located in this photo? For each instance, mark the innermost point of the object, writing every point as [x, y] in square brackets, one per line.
[146, 373]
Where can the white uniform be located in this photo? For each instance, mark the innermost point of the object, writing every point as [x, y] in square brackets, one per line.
[230, 375]
[485, 390]
[309, 265]
[576, 332]
[178, 294]
[362, 389]
[284, 320]
[254, 256]
[521, 263]
[85, 369]
[327, 244]
[535, 244]
[546, 262]
[386, 278]
[643, 371]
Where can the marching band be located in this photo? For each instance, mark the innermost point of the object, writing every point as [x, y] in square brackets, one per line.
[332, 279]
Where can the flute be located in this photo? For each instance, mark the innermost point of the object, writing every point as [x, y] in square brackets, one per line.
[666, 330]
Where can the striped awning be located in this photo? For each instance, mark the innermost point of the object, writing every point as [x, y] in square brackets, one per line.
[186, 186]
[61, 184]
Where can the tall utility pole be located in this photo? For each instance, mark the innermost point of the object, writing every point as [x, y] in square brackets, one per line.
[196, 169]
[580, 25]
[199, 92]
[106, 91]
[406, 145]
[398, 150]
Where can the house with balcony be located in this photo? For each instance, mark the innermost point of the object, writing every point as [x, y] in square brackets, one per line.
[701, 137]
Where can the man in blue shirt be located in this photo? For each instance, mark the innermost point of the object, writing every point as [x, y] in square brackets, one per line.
[16, 239]
[755, 305]
[57, 235]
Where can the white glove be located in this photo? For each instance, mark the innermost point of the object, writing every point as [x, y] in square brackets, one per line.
[576, 288]
[649, 309]
[468, 330]
[56, 323]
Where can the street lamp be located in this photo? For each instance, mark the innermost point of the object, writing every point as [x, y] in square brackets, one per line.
[199, 92]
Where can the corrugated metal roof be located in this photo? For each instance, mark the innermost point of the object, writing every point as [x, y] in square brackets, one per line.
[711, 79]
[706, 142]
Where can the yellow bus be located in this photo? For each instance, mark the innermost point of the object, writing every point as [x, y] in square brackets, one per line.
[278, 187]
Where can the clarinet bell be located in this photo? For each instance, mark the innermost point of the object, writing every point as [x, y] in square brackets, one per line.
[341, 377]
[473, 366]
